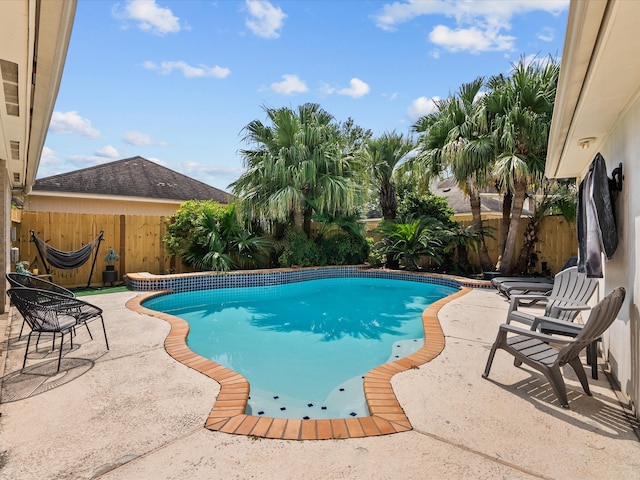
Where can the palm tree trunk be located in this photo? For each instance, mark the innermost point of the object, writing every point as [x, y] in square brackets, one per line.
[507, 202]
[530, 240]
[306, 223]
[388, 200]
[510, 247]
[474, 199]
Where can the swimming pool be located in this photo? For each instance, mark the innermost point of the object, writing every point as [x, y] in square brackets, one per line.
[304, 347]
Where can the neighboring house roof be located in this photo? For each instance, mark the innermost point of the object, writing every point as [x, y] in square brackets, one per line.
[459, 202]
[132, 177]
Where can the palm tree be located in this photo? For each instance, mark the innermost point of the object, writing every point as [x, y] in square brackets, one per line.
[300, 165]
[556, 198]
[382, 155]
[455, 139]
[520, 107]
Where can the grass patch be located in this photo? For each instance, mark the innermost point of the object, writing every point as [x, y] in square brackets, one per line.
[100, 290]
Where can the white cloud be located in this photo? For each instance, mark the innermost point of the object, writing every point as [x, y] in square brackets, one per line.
[290, 85]
[420, 107]
[138, 139]
[547, 34]
[71, 122]
[473, 40]
[475, 26]
[107, 151]
[48, 158]
[188, 71]
[265, 20]
[357, 88]
[326, 89]
[150, 17]
[81, 161]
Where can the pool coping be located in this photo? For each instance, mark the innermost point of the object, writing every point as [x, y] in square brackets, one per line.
[228, 412]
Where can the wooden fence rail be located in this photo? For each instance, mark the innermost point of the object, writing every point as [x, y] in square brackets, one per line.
[138, 241]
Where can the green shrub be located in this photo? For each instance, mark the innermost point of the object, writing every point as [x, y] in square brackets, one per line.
[298, 250]
[413, 207]
[343, 249]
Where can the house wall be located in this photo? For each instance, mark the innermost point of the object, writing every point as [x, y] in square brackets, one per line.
[5, 228]
[622, 341]
[101, 205]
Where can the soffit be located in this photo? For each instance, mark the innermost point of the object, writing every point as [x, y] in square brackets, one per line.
[600, 74]
[30, 29]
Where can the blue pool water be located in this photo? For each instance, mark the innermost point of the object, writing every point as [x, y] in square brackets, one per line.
[304, 347]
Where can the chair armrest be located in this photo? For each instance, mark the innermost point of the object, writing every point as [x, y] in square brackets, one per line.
[525, 299]
[533, 334]
[554, 321]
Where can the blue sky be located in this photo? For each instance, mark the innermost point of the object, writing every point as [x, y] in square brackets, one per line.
[177, 81]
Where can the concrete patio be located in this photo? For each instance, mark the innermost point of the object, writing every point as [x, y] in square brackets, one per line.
[135, 413]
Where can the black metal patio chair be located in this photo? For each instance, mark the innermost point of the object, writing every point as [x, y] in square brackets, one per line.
[31, 281]
[50, 312]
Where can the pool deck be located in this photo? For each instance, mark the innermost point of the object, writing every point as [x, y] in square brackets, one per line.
[135, 412]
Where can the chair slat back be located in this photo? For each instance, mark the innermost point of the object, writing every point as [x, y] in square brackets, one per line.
[570, 287]
[600, 319]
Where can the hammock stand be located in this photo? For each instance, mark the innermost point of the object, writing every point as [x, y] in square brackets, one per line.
[67, 260]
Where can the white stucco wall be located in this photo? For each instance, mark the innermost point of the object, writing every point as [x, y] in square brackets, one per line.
[622, 341]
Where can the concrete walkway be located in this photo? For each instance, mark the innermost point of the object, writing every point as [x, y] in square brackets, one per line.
[134, 413]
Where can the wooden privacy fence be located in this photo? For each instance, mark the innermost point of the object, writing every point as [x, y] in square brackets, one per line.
[136, 238]
[138, 241]
[557, 241]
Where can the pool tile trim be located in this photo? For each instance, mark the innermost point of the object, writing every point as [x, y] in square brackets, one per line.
[228, 411]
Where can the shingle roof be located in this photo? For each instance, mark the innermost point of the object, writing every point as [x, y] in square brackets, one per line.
[132, 177]
[459, 202]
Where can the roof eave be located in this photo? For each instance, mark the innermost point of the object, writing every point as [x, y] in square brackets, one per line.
[599, 76]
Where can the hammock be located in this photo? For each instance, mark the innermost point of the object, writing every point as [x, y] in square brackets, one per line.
[67, 260]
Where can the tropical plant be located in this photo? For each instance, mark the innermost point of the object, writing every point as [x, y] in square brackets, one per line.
[520, 108]
[409, 242]
[460, 239]
[221, 243]
[301, 164]
[181, 226]
[454, 139]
